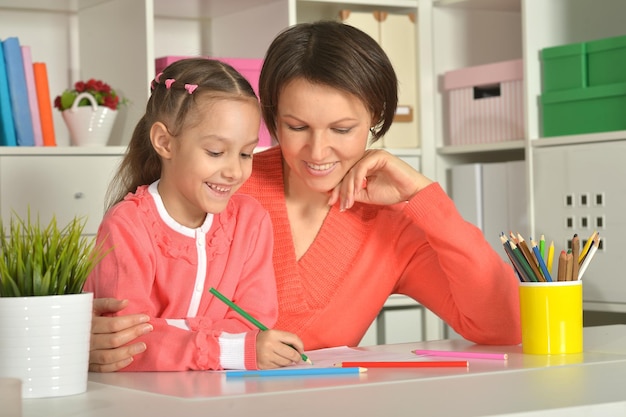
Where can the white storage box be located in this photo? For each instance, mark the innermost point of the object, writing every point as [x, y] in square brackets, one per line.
[485, 104]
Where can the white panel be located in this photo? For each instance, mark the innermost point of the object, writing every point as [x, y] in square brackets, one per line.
[249, 32]
[116, 46]
[504, 202]
[64, 186]
[404, 325]
[466, 191]
[586, 171]
[178, 37]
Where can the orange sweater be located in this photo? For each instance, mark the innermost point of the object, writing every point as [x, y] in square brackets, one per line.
[423, 249]
[166, 269]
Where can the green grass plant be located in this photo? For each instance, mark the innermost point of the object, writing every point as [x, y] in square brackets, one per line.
[38, 260]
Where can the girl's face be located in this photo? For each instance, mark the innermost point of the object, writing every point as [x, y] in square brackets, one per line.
[322, 132]
[210, 159]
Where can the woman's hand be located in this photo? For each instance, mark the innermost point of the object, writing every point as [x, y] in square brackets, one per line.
[110, 336]
[378, 178]
[276, 348]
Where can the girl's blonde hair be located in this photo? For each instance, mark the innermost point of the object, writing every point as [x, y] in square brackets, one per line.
[175, 93]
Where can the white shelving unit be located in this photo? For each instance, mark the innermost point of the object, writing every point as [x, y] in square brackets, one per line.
[118, 41]
[475, 32]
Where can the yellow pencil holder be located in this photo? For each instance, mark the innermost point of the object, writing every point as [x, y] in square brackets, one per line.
[551, 315]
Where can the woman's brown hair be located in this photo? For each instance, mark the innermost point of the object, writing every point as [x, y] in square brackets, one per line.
[333, 54]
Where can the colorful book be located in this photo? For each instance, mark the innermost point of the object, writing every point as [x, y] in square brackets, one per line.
[18, 92]
[7, 127]
[44, 101]
[32, 94]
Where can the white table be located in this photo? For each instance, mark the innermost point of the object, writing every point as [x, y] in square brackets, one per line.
[588, 384]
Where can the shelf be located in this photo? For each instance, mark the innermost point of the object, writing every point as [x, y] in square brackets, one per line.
[50, 6]
[373, 3]
[481, 148]
[404, 151]
[605, 307]
[203, 9]
[578, 139]
[61, 150]
[496, 5]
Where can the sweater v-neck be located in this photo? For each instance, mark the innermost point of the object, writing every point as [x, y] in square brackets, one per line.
[329, 257]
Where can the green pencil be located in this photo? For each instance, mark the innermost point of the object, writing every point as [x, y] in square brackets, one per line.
[248, 317]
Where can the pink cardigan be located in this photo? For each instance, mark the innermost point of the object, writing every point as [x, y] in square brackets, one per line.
[422, 248]
[166, 271]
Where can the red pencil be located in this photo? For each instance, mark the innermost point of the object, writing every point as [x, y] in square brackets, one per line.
[423, 364]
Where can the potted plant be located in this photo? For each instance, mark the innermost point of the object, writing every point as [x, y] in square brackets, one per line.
[89, 111]
[45, 318]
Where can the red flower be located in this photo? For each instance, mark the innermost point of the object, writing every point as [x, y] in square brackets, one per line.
[101, 92]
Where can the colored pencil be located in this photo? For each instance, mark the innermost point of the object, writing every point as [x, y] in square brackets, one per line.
[561, 266]
[575, 255]
[517, 267]
[530, 257]
[550, 255]
[542, 264]
[459, 354]
[424, 364]
[592, 251]
[522, 260]
[569, 266]
[248, 317]
[586, 247]
[542, 247]
[295, 372]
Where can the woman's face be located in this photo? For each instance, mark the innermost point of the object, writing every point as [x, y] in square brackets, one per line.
[322, 132]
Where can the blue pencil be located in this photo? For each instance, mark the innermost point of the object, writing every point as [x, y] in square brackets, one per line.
[295, 372]
[542, 264]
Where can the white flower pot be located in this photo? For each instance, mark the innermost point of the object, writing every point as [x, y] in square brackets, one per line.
[44, 341]
[89, 125]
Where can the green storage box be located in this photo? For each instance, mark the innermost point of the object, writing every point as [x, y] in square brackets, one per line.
[564, 67]
[584, 110]
[606, 61]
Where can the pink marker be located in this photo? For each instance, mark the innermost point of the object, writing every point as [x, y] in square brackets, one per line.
[464, 355]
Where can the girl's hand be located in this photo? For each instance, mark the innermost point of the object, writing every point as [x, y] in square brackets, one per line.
[378, 178]
[110, 351]
[276, 348]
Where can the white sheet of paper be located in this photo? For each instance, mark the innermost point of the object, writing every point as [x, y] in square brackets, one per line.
[324, 358]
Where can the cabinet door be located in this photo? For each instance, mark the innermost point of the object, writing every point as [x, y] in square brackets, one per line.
[401, 320]
[579, 189]
[64, 186]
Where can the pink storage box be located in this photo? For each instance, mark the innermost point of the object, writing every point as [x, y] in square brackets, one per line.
[485, 103]
[249, 68]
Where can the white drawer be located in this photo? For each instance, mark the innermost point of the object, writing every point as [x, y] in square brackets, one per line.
[65, 186]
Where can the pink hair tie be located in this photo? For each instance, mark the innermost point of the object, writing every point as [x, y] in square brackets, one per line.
[191, 88]
[169, 82]
[154, 82]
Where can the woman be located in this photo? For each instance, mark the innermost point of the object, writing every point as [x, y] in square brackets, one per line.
[351, 225]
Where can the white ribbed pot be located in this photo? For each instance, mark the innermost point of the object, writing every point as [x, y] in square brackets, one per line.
[44, 341]
[89, 125]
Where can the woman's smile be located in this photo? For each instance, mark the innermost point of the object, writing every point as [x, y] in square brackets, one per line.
[320, 169]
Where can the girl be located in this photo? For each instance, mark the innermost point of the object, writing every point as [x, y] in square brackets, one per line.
[177, 228]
